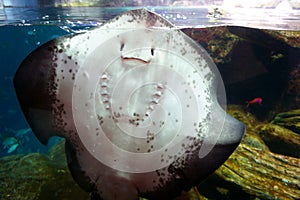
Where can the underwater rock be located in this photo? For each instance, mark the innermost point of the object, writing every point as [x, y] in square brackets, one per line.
[267, 39]
[278, 52]
[50, 179]
[255, 63]
[280, 140]
[217, 41]
[193, 194]
[289, 120]
[291, 38]
[252, 139]
[292, 94]
[262, 173]
[38, 176]
[253, 170]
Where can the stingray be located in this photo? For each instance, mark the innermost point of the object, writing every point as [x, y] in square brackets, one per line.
[138, 103]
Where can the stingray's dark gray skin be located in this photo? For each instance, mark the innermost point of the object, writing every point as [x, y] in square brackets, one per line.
[136, 100]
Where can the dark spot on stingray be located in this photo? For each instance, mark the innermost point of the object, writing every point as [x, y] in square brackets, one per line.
[62, 45]
[60, 50]
[122, 46]
[161, 180]
[152, 51]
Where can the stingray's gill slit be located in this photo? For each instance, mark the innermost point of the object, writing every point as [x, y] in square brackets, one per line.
[104, 90]
[162, 80]
[156, 97]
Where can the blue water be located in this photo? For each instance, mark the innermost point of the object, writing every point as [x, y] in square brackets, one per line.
[15, 44]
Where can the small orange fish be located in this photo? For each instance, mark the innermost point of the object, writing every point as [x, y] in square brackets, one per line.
[254, 101]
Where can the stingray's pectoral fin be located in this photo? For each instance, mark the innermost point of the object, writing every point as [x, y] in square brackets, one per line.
[102, 181]
[77, 173]
[34, 87]
[212, 155]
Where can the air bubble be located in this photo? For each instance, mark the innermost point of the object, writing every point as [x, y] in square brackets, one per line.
[33, 32]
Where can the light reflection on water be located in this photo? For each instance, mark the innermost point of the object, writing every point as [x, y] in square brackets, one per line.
[180, 16]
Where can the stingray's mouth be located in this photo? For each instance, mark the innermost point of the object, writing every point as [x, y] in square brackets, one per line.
[136, 56]
[138, 60]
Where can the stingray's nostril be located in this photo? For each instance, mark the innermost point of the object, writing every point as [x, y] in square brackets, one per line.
[122, 46]
[152, 51]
